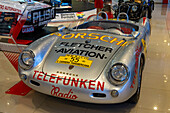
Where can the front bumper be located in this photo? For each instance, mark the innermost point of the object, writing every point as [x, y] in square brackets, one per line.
[91, 92]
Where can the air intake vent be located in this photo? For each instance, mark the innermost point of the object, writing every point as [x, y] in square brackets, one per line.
[100, 95]
[34, 83]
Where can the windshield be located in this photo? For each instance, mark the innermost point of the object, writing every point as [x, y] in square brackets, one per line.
[116, 27]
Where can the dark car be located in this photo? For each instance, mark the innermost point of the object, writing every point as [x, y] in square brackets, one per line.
[135, 9]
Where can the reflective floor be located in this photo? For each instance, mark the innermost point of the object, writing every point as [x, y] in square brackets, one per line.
[155, 93]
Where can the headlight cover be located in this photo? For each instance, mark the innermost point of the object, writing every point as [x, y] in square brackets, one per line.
[26, 59]
[118, 74]
[134, 8]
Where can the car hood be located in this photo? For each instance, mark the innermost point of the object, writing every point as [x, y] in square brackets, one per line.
[83, 58]
[18, 7]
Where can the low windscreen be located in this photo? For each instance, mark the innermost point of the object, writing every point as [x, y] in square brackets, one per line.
[109, 26]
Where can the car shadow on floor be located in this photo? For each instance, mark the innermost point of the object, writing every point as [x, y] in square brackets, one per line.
[52, 104]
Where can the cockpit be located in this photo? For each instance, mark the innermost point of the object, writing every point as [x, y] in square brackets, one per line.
[118, 27]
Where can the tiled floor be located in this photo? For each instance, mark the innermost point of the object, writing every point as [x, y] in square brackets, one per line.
[155, 94]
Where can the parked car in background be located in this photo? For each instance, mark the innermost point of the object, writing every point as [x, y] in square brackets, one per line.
[135, 9]
[28, 14]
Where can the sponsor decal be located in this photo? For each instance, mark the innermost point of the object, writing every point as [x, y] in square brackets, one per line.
[8, 18]
[67, 16]
[138, 50]
[144, 45]
[7, 22]
[75, 60]
[84, 52]
[41, 15]
[80, 15]
[69, 81]
[56, 92]
[93, 36]
[28, 30]
[87, 46]
[43, 23]
[65, 73]
[81, 52]
[57, 16]
[2, 7]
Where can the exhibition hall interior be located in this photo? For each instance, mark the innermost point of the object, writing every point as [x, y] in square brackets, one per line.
[84, 56]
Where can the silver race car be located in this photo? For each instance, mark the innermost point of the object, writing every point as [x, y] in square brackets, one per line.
[30, 14]
[99, 61]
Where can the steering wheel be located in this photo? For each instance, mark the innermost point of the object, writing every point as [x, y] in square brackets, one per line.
[95, 27]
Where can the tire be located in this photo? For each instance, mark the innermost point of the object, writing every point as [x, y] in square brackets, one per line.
[152, 4]
[144, 14]
[149, 12]
[135, 98]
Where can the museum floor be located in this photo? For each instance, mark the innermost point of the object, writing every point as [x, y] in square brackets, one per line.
[155, 92]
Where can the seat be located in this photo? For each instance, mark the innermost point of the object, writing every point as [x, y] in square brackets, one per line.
[95, 27]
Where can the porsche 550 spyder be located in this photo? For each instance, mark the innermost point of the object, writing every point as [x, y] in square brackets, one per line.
[30, 15]
[99, 61]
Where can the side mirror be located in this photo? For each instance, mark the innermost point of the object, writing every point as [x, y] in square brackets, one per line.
[135, 34]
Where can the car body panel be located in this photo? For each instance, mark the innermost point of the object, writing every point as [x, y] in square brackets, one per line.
[23, 10]
[11, 5]
[92, 85]
[99, 55]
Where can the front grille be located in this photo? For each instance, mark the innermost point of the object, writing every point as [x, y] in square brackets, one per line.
[99, 95]
[34, 83]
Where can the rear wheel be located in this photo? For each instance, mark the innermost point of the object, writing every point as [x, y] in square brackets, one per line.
[134, 99]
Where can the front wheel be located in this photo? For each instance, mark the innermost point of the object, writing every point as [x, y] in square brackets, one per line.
[135, 98]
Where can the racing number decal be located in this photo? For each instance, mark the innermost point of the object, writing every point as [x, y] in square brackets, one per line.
[75, 60]
[144, 45]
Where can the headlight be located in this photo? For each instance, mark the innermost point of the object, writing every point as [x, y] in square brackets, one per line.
[134, 8]
[29, 15]
[26, 59]
[118, 74]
